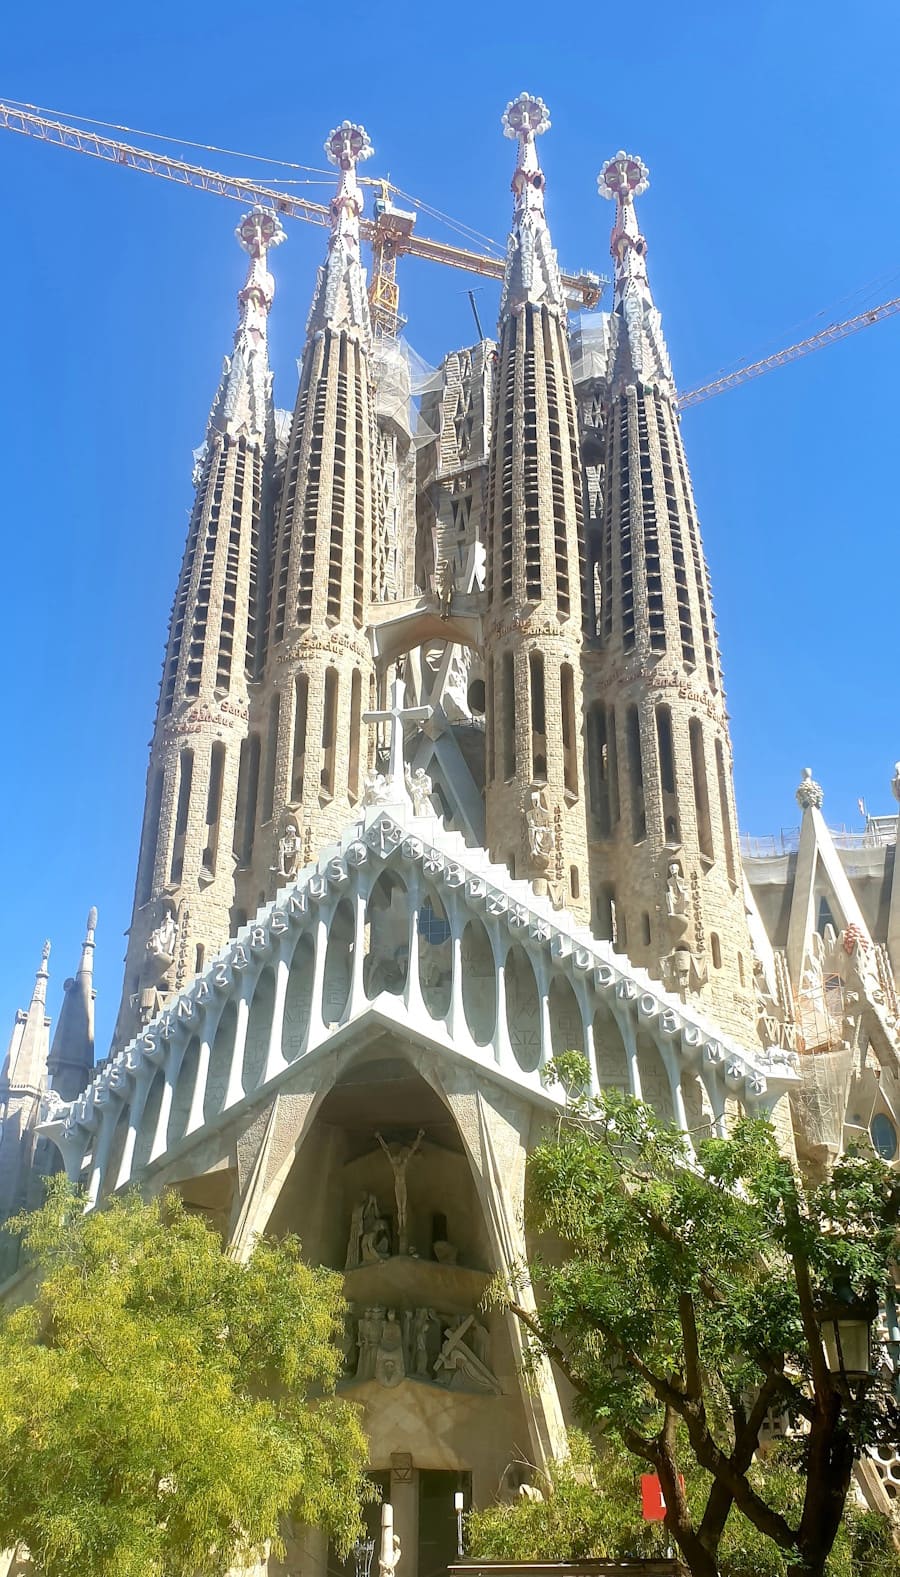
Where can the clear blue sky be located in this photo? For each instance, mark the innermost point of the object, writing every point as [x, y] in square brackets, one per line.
[771, 133]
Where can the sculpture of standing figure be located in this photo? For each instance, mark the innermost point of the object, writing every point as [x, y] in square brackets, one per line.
[538, 826]
[400, 1156]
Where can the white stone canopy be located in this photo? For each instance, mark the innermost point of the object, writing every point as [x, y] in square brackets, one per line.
[490, 974]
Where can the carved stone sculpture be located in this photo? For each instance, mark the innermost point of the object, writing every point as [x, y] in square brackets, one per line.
[387, 1561]
[369, 1328]
[419, 787]
[399, 1156]
[810, 794]
[289, 851]
[459, 1365]
[676, 890]
[538, 826]
[390, 1359]
[377, 790]
[162, 942]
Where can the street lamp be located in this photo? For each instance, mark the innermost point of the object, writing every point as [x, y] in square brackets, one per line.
[362, 1553]
[846, 1324]
[459, 1501]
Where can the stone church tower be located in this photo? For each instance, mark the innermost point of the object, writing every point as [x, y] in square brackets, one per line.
[665, 866]
[193, 828]
[534, 788]
[353, 953]
[309, 753]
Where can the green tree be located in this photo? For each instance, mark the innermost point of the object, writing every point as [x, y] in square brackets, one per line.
[682, 1300]
[591, 1510]
[162, 1407]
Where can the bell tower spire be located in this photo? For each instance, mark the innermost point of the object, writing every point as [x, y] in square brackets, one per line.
[185, 884]
[534, 797]
[640, 350]
[307, 751]
[665, 865]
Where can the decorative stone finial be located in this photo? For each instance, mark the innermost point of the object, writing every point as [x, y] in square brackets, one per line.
[45, 954]
[259, 230]
[348, 145]
[340, 300]
[92, 921]
[895, 781]
[623, 177]
[525, 117]
[810, 794]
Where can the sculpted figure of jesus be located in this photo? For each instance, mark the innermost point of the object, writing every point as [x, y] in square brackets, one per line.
[400, 1156]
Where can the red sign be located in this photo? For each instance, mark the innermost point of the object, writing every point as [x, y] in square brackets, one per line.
[653, 1504]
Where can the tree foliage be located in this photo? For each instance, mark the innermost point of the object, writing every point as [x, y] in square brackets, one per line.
[591, 1510]
[163, 1407]
[682, 1300]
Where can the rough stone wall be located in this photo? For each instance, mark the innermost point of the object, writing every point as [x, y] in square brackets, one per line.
[665, 864]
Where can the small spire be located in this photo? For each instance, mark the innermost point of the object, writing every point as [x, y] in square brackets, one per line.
[26, 1060]
[532, 271]
[257, 233]
[243, 398]
[340, 299]
[71, 1058]
[623, 178]
[524, 119]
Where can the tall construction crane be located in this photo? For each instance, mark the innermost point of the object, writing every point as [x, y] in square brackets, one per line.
[779, 358]
[391, 235]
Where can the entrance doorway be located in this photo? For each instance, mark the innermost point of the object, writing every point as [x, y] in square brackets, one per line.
[437, 1519]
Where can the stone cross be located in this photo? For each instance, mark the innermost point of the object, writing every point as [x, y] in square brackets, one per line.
[398, 716]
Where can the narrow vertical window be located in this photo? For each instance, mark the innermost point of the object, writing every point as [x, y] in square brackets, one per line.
[298, 766]
[701, 791]
[570, 757]
[715, 947]
[666, 753]
[508, 715]
[725, 812]
[248, 789]
[151, 836]
[185, 780]
[214, 805]
[635, 774]
[574, 881]
[490, 719]
[329, 729]
[538, 718]
[355, 713]
[271, 758]
[612, 766]
[598, 764]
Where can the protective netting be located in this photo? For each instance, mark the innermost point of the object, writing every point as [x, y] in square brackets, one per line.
[590, 336]
[820, 1102]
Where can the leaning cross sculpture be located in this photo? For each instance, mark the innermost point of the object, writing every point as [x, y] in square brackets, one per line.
[398, 716]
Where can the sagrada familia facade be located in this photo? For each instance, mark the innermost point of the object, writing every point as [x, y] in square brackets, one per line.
[440, 785]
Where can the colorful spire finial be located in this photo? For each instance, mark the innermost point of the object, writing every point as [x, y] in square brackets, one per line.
[258, 230]
[346, 147]
[525, 118]
[623, 178]
[340, 300]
